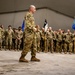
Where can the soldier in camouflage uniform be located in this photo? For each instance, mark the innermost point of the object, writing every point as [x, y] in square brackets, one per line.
[50, 36]
[3, 37]
[8, 36]
[44, 41]
[59, 41]
[54, 41]
[63, 32]
[19, 38]
[14, 38]
[0, 37]
[30, 36]
[38, 38]
[68, 39]
[1, 34]
[74, 42]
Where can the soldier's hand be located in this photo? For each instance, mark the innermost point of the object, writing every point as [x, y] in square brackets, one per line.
[34, 29]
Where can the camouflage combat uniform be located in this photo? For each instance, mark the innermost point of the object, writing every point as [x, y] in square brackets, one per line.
[44, 41]
[68, 42]
[1, 37]
[8, 36]
[14, 39]
[54, 41]
[19, 39]
[30, 37]
[59, 42]
[74, 42]
[50, 36]
[38, 38]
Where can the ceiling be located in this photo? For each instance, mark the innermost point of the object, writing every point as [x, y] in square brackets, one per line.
[66, 7]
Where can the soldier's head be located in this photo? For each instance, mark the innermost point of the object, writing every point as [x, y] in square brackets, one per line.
[68, 30]
[60, 31]
[9, 27]
[19, 28]
[50, 28]
[32, 9]
[55, 32]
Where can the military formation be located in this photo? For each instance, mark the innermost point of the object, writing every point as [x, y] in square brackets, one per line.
[49, 41]
[56, 41]
[36, 39]
[10, 38]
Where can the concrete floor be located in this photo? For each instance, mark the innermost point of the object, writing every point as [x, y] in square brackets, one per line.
[51, 64]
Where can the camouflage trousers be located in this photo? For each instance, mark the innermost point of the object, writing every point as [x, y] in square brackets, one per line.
[54, 45]
[42, 45]
[8, 43]
[29, 44]
[68, 47]
[38, 44]
[18, 43]
[50, 45]
[59, 47]
[46, 45]
[0, 43]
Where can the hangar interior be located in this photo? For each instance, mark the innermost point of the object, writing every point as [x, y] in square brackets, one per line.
[59, 14]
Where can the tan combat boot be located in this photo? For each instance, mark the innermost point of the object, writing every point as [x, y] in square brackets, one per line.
[33, 58]
[22, 59]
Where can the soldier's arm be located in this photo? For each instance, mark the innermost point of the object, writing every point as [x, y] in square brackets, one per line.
[29, 20]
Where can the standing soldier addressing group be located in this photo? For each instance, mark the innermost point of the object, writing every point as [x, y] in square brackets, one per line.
[30, 36]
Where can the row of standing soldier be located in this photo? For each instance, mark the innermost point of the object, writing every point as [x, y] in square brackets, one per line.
[49, 41]
[55, 41]
[10, 38]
